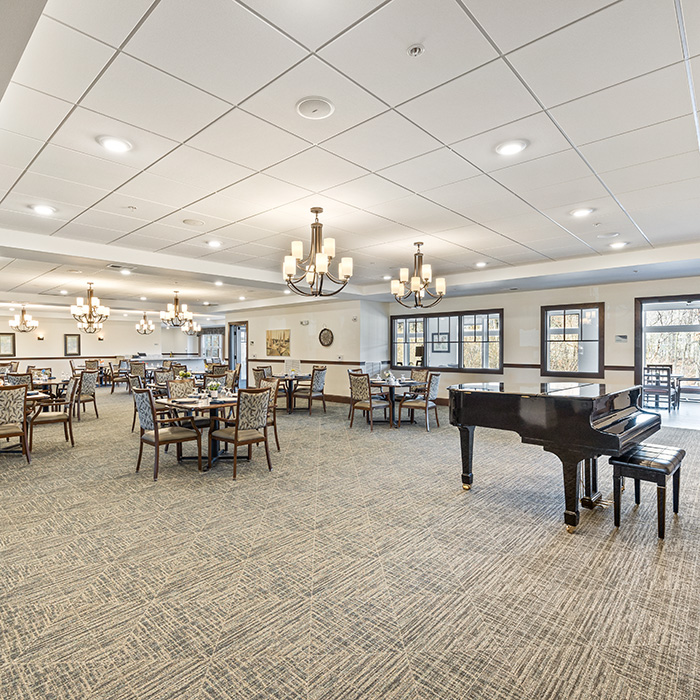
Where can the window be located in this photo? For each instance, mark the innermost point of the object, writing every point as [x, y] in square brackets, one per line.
[212, 345]
[572, 340]
[471, 341]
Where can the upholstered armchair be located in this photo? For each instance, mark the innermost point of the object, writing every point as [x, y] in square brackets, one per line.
[425, 402]
[56, 411]
[361, 397]
[86, 391]
[13, 415]
[273, 385]
[313, 389]
[116, 377]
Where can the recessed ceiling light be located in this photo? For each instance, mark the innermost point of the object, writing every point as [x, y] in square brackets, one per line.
[125, 314]
[125, 272]
[617, 245]
[76, 272]
[113, 144]
[208, 319]
[612, 234]
[415, 50]
[241, 298]
[510, 148]
[214, 244]
[206, 303]
[387, 277]
[43, 209]
[315, 107]
[12, 308]
[480, 264]
[218, 283]
[193, 222]
[584, 211]
[142, 298]
[287, 291]
[64, 291]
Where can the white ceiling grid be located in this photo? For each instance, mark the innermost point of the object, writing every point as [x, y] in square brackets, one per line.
[206, 93]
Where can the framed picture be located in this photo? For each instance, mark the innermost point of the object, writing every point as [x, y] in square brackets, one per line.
[277, 344]
[71, 344]
[440, 342]
[7, 344]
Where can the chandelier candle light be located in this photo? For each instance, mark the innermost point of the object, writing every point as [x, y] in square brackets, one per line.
[144, 326]
[23, 322]
[91, 314]
[176, 315]
[314, 268]
[418, 286]
[191, 328]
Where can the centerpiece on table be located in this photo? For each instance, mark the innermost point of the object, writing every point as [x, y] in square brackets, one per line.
[184, 374]
[213, 388]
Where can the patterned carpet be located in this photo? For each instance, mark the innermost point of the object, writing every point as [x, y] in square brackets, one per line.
[358, 568]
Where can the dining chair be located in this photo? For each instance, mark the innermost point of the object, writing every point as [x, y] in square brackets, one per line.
[231, 378]
[138, 369]
[361, 397]
[313, 389]
[17, 378]
[180, 388]
[92, 364]
[161, 379]
[424, 403]
[167, 364]
[246, 427]
[86, 391]
[13, 415]
[658, 384]
[258, 376]
[41, 372]
[162, 431]
[116, 377]
[14, 365]
[58, 410]
[5, 367]
[273, 384]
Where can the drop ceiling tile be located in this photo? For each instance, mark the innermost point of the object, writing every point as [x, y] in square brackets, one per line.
[548, 170]
[465, 195]
[642, 145]
[661, 195]
[419, 213]
[16, 150]
[512, 25]
[232, 256]
[55, 189]
[209, 223]
[316, 170]
[105, 220]
[607, 217]
[8, 176]
[66, 164]
[279, 220]
[223, 207]
[157, 102]
[526, 226]
[60, 61]
[671, 223]
[262, 146]
[652, 98]
[31, 113]
[260, 250]
[479, 101]
[381, 142]
[652, 174]
[313, 24]
[276, 102]
[588, 55]
[102, 19]
[367, 224]
[14, 217]
[434, 169]
[569, 194]
[453, 45]
[195, 167]
[159, 189]
[367, 191]
[297, 215]
[168, 234]
[264, 190]
[140, 242]
[125, 205]
[92, 234]
[186, 249]
[241, 233]
[227, 36]
[475, 237]
[19, 202]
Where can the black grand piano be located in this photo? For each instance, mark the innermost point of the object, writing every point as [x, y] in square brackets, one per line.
[576, 422]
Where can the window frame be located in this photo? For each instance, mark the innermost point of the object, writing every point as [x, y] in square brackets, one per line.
[426, 341]
[544, 343]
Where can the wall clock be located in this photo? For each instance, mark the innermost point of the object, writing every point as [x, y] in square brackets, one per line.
[325, 337]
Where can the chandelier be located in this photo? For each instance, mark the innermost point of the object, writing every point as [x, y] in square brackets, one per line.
[191, 328]
[418, 284]
[91, 314]
[23, 322]
[144, 326]
[176, 315]
[314, 268]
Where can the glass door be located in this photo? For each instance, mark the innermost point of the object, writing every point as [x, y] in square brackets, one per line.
[238, 349]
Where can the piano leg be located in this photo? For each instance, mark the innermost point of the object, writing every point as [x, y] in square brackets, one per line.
[569, 463]
[466, 436]
[591, 495]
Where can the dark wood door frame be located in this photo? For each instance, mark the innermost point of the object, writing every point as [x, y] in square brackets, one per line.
[228, 346]
[638, 325]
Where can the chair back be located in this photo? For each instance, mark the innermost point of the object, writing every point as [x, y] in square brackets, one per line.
[13, 401]
[5, 367]
[73, 368]
[657, 376]
[146, 409]
[14, 365]
[258, 376]
[92, 364]
[433, 384]
[167, 364]
[419, 374]
[218, 377]
[71, 390]
[267, 370]
[318, 379]
[15, 379]
[41, 372]
[252, 409]
[135, 382]
[124, 365]
[163, 376]
[176, 367]
[273, 384]
[138, 369]
[88, 382]
[180, 388]
[231, 379]
[359, 386]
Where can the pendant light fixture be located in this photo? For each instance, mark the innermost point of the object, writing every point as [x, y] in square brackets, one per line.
[418, 284]
[144, 326]
[307, 275]
[23, 322]
[191, 328]
[91, 314]
[176, 315]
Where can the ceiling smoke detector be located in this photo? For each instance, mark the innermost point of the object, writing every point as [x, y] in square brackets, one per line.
[315, 108]
[415, 50]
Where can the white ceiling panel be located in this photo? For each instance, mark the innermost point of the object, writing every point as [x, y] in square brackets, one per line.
[651, 174]
[105, 20]
[200, 169]
[31, 113]
[463, 195]
[571, 194]
[75, 60]
[105, 220]
[17, 217]
[680, 217]
[652, 98]
[513, 24]
[660, 196]
[55, 189]
[208, 223]
[157, 102]
[382, 141]
[15, 201]
[8, 176]
[159, 189]
[588, 55]
[224, 207]
[366, 191]
[419, 213]
[277, 101]
[140, 242]
[241, 233]
[206, 43]
[316, 170]
[474, 237]
[93, 234]
[168, 234]
[242, 138]
[17, 151]
[366, 223]
[453, 45]
[264, 190]
[479, 101]
[125, 205]
[434, 169]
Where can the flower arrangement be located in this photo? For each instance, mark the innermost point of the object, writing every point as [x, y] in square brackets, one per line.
[184, 374]
[213, 386]
[388, 374]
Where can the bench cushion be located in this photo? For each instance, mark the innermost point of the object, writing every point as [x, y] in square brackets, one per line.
[653, 457]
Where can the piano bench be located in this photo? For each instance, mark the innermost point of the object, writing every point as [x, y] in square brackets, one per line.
[646, 462]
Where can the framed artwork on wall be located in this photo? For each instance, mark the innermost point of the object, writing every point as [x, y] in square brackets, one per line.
[440, 342]
[71, 344]
[277, 343]
[7, 344]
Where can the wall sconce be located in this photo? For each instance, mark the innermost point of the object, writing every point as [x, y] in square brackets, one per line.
[304, 323]
[100, 337]
[39, 336]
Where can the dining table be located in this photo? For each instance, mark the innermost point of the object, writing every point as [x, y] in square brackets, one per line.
[389, 387]
[51, 384]
[289, 382]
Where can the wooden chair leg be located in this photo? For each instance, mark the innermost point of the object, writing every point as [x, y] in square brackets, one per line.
[31, 437]
[138, 462]
[65, 430]
[437, 419]
[352, 414]
[199, 453]
[26, 449]
[309, 404]
[235, 459]
[371, 420]
[133, 422]
[209, 450]
[323, 398]
[70, 431]
[427, 421]
[267, 453]
[277, 440]
[155, 463]
[637, 492]
[94, 403]
[178, 451]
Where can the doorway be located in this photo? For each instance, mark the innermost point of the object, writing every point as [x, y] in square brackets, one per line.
[238, 349]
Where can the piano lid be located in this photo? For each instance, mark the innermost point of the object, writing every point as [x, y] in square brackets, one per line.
[571, 389]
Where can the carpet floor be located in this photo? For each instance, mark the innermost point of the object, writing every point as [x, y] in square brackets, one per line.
[357, 568]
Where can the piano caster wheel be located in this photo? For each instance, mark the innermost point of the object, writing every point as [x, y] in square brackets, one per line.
[570, 529]
[467, 487]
